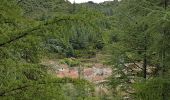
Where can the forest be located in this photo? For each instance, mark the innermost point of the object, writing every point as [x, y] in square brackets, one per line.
[58, 50]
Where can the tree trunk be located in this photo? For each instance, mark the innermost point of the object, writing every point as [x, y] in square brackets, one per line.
[144, 66]
[145, 58]
[163, 50]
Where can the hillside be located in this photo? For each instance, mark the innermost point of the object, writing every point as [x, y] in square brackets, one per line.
[56, 50]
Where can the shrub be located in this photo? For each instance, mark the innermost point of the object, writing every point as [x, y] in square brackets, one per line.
[71, 62]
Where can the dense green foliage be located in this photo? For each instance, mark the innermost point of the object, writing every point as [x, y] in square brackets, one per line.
[33, 29]
[130, 31]
[143, 36]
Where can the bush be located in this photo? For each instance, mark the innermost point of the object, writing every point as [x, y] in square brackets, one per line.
[71, 62]
[155, 89]
[85, 53]
[99, 44]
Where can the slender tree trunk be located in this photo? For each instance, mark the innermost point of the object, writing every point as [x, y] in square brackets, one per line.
[145, 60]
[163, 44]
[144, 67]
[163, 50]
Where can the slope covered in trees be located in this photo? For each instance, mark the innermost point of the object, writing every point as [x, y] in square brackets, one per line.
[143, 29]
[131, 32]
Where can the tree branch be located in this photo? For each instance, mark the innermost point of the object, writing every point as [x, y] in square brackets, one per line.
[29, 31]
[4, 93]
